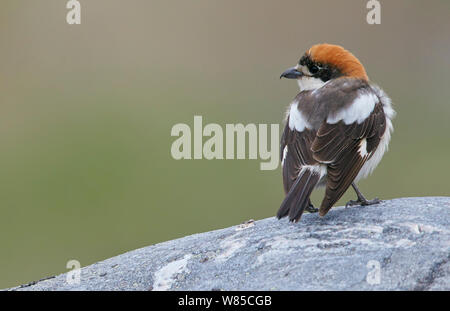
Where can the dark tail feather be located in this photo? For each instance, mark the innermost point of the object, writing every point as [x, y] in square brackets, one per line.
[297, 198]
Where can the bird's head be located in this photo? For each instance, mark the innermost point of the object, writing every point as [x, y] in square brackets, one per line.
[324, 62]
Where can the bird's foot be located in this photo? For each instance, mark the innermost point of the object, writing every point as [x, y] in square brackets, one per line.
[363, 202]
[311, 209]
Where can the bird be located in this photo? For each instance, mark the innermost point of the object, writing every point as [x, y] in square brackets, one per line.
[337, 130]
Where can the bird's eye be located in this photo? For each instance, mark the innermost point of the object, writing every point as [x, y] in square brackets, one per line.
[313, 69]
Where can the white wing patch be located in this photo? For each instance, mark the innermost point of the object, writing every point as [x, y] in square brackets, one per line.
[296, 119]
[363, 148]
[319, 169]
[285, 151]
[358, 111]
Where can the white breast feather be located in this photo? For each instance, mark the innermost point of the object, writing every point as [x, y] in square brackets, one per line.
[309, 83]
[389, 112]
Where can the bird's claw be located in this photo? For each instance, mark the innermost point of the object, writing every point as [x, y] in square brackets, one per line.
[311, 209]
[360, 202]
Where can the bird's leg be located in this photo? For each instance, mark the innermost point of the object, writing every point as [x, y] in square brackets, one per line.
[361, 199]
[310, 208]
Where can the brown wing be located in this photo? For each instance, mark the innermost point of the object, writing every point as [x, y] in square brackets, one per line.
[298, 153]
[345, 149]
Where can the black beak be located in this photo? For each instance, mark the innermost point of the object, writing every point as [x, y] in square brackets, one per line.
[291, 73]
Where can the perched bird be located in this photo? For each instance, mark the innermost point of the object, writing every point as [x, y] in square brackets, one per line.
[337, 129]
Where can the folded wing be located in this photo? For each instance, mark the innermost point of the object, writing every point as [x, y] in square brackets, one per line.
[344, 146]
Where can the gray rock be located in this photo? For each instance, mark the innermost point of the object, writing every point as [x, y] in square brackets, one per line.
[402, 244]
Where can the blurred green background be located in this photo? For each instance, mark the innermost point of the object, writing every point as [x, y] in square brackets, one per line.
[86, 114]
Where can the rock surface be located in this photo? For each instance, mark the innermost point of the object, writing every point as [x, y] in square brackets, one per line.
[402, 244]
